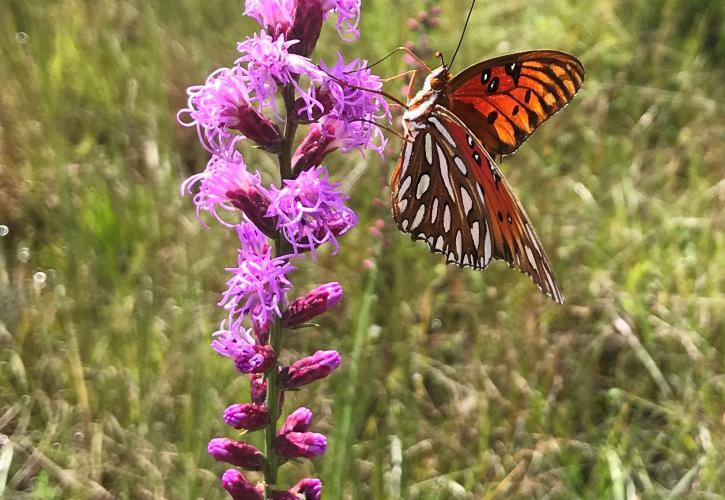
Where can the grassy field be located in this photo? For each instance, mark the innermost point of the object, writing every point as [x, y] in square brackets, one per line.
[454, 384]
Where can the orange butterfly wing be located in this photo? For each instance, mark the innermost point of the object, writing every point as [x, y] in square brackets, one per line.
[503, 100]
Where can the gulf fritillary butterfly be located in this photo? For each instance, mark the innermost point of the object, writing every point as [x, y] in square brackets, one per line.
[446, 187]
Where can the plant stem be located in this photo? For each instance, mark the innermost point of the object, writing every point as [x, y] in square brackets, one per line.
[275, 333]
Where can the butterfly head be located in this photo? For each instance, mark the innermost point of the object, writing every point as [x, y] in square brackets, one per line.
[437, 80]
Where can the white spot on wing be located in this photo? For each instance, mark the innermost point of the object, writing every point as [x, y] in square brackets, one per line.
[404, 224]
[434, 211]
[531, 258]
[475, 230]
[423, 184]
[440, 243]
[404, 187]
[467, 201]
[418, 217]
[443, 165]
[444, 132]
[406, 157]
[402, 205]
[461, 166]
[447, 218]
[532, 237]
[487, 246]
[549, 281]
[429, 149]
[459, 243]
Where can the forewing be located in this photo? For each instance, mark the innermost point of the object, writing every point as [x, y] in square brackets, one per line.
[504, 100]
[449, 192]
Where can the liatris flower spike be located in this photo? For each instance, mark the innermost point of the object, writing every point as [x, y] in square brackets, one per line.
[278, 226]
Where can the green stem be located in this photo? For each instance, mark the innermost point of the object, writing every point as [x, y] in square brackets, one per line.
[275, 332]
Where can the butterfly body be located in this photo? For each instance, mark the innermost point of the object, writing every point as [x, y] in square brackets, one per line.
[446, 188]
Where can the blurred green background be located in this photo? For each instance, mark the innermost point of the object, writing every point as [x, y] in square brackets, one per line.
[454, 384]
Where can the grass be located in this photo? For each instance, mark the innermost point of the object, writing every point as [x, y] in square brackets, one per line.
[455, 384]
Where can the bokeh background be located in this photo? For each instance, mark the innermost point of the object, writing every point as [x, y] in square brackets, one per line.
[454, 384]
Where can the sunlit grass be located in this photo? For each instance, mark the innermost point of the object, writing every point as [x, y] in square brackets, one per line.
[455, 384]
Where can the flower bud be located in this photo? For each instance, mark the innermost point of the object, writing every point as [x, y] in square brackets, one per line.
[310, 488]
[239, 486]
[300, 444]
[309, 369]
[312, 304]
[307, 26]
[254, 358]
[276, 16]
[237, 453]
[256, 127]
[248, 416]
[257, 388]
[254, 203]
[297, 421]
[320, 140]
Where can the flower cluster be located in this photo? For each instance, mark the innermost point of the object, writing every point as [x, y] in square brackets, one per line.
[278, 225]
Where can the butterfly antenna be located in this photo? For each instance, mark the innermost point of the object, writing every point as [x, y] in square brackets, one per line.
[460, 41]
[397, 49]
[372, 91]
[371, 122]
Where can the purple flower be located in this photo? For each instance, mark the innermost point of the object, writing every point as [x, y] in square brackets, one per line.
[239, 486]
[270, 64]
[227, 185]
[248, 416]
[276, 16]
[322, 138]
[248, 357]
[354, 104]
[309, 16]
[222, 105]
[310, 488]
[259, 283]
[307, 26]
[309, 369]
[227, 341]
[297, 421]
[312, 304]
[252, 241]
[348, 17]
[350, 114]
[310, 211]
[237, 453]
[300, 444]
[254, 358]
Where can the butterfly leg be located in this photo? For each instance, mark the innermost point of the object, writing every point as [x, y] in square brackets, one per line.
[411, 91]
[401, 75]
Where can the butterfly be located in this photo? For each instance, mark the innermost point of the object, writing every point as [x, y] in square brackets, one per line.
[446, 188]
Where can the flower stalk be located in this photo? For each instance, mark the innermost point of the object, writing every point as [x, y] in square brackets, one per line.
[279, 224]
